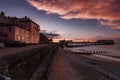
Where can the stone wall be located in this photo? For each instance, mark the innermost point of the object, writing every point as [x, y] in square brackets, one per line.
[30, 64]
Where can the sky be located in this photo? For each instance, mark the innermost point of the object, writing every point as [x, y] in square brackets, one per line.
[77, 20]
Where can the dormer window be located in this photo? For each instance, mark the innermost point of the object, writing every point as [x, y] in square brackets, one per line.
[2, 13]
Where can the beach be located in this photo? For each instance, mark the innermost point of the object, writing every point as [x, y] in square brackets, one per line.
[70, 66]
[110, 50]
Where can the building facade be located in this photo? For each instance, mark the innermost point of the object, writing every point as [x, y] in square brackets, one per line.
[19, 29]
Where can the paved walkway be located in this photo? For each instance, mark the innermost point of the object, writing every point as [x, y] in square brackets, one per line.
[12, 50]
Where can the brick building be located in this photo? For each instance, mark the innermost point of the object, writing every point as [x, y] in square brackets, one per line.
[18, 29]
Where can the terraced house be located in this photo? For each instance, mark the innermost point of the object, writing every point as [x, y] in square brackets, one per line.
[18, 29]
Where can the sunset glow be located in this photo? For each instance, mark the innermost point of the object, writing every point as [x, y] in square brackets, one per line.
[78, 20]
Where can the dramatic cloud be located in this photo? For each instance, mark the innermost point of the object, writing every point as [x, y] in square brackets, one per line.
[97, 37]
[118, 35]
[89, 39]
[80, 40]
[112, 24]
[85, 9]
[51, 35]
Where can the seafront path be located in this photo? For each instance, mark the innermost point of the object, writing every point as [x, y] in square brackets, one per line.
[12, 50]
[70, 66]
[65, 65]
[26, 63]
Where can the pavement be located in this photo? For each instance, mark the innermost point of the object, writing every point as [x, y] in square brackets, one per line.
[12, 50]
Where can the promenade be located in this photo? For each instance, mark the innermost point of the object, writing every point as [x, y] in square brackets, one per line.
[37, 62]
[12, 50]
[26, 63]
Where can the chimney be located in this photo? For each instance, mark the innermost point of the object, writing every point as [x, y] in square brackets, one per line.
[25, 17]
[2, 13]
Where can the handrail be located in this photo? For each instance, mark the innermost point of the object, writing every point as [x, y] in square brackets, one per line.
[2, 77]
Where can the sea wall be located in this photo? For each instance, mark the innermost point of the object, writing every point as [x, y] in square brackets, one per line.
[29, 64]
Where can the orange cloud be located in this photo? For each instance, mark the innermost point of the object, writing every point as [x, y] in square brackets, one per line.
[118, 35]
[84, 9]
[112, 24]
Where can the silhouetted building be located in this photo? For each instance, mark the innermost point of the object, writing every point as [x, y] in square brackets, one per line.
[44, 39]
[65, 42]
[104, 42]
[18, 29]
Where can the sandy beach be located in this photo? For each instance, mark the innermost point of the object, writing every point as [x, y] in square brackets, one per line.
[70, 66]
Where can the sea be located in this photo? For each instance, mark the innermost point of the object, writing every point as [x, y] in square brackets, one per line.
[112, 50]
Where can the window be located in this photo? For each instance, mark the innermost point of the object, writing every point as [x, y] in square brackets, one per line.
[24, 31]
[10, 29]
[35, 27]
[28, 37]
[18, 38]
[23, 39]
[0, 29]
[20, 30]
[28, 33]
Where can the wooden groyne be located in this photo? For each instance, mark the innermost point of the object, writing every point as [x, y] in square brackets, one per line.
[90, 52]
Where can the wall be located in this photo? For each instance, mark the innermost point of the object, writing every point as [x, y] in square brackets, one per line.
[22, 35]
[25, 65]
[9, 35]
[34, 30]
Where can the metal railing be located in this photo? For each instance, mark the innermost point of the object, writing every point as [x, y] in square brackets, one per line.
[2, 77]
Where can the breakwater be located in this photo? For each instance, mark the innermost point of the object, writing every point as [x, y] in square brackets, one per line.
[31, 64]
